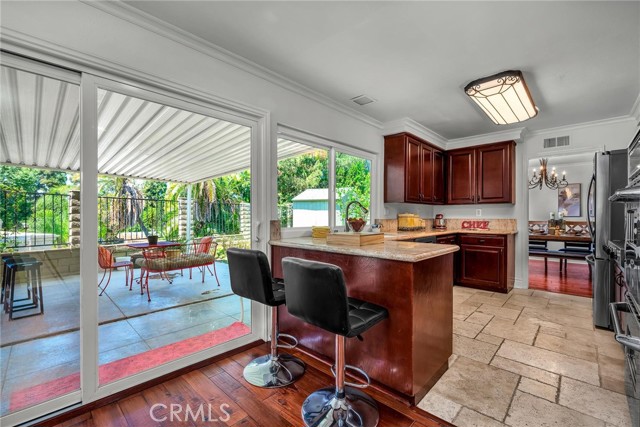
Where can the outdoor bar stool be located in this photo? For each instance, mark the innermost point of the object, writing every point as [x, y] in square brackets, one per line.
[6, 275]
[251, 279]
[31, 267]
[317, 294]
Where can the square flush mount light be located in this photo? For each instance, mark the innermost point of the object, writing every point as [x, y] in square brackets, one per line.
[504, 97]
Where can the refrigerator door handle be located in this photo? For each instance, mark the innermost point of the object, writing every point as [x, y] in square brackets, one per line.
[591, 225]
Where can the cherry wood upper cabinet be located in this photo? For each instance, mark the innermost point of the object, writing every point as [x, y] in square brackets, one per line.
[427, 174]
[482, 174]
[495, 173]
[439, 177]
[412, 177]
[410, 174]
[462, 176]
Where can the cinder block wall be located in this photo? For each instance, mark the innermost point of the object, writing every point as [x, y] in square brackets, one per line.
[57, 262]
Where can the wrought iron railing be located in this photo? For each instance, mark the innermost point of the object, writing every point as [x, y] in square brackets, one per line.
[33, 219]
[225, 218]
[124, 219]
[42, 219]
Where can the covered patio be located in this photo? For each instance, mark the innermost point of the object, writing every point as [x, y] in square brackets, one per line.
[141, 141]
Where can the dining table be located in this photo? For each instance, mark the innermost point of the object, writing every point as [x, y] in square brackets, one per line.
[147, 245]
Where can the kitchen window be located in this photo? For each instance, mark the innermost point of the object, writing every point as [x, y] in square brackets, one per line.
[317, 178]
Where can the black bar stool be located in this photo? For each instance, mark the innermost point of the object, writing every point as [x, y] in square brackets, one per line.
[251, 279]
[317, 294]
[31, 267]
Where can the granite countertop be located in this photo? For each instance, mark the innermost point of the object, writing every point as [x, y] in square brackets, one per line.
[392, 250]
[410, 235]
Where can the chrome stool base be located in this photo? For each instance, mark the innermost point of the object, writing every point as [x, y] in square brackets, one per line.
[323, 408]
[268, 372]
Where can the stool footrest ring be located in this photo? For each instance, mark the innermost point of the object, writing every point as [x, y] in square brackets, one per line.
[367, 382]
[293, 344]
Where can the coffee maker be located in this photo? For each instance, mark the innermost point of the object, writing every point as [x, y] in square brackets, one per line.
[439, 223]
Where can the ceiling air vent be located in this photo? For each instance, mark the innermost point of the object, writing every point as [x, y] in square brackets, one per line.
[362, 100]
[560, 141]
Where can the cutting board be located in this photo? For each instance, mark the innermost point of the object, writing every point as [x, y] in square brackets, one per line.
[355, 239]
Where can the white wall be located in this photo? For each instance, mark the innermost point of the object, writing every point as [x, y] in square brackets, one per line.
[545, 200]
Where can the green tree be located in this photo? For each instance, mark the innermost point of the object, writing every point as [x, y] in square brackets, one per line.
[353, 181]
[156, 190]
[299, 173]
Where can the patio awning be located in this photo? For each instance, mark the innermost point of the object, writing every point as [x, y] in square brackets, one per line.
[39, 127]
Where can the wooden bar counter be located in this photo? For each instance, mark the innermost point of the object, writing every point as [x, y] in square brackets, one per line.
[407, 353]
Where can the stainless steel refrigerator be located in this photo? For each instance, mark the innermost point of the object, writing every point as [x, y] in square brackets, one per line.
[606, 222]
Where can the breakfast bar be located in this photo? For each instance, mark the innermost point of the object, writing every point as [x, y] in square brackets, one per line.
[407, 353]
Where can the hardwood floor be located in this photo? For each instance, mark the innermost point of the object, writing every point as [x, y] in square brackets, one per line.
[575, 281]
[221, 383]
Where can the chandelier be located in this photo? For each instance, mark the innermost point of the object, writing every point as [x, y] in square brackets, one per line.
[543, 177]
[504, 97]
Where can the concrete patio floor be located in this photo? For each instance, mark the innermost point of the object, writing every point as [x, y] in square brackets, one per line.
[62, 302]
[43, 348]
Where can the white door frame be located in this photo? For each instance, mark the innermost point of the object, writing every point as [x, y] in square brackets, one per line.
[257, 120]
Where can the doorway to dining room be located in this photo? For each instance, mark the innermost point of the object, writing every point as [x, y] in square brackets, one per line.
[559, 236]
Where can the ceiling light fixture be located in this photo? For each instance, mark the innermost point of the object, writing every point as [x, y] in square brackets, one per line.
[504, 97]
[551, 180]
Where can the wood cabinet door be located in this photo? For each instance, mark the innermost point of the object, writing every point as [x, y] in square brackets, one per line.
[482, 266]
[439, 177]
[494, 173]
[413, 175]
[462, 177]
[427, 174]
[446, 240]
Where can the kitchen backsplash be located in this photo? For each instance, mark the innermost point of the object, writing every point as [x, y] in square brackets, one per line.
[391, 225]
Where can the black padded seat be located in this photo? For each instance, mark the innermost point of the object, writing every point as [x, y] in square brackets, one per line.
[317, 294]
[363, 315]
[251, 278]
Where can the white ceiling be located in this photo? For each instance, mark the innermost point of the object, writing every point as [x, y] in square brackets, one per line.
[581, 60]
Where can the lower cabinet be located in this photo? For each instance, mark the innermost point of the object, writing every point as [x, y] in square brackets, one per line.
[451, 239]
[486, 262]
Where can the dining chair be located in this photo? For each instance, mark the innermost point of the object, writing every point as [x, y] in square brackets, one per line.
[206, 248]
[107, 264]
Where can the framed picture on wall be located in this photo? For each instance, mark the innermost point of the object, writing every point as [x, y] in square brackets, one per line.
[570, 200]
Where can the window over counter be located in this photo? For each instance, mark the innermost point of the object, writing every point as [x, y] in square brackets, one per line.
[303, 184]
[317, 178]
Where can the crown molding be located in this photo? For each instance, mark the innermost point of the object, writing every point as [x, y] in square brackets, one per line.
[635, 110]
[26, 45]
[584, 125]
[487, 138]
[409, 125]
[150, 23]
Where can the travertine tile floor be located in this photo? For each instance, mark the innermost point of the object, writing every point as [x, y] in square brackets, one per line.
[530, 358]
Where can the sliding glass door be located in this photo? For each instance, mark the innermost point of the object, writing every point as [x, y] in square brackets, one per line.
[174, 192]
[117, 205]
[40, 239]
